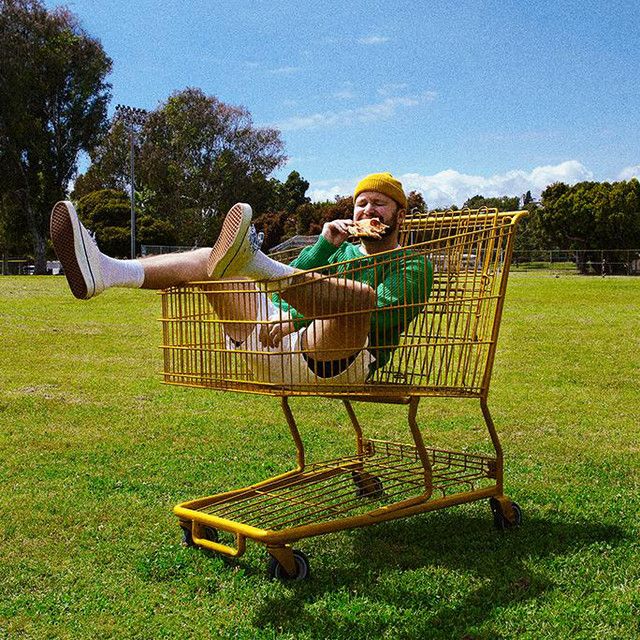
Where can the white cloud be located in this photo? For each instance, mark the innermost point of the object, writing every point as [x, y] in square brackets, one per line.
[324, 190]
[630, 172]
[388, 89]
[452, 187]
[367, 113]
[373, 39]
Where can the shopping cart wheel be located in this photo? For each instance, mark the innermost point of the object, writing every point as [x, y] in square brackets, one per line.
[211, 534]
[208, 533]
[187, 538]
[276, 570]
[367, 486]
[500, 521]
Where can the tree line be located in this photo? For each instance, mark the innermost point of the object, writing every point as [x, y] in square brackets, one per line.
[195, 156]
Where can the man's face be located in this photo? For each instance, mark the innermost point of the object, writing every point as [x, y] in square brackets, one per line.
[372, 204]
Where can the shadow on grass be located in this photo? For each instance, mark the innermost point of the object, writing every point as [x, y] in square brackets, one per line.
[431, 576]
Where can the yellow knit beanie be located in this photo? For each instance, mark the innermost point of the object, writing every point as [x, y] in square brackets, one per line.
[382, 183]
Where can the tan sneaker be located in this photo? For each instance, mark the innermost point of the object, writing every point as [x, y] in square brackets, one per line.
[236, 245]
[77, 251]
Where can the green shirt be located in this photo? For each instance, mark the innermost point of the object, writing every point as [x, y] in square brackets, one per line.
[401, 278]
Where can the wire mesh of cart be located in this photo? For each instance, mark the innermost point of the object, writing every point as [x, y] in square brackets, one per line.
[393, 327]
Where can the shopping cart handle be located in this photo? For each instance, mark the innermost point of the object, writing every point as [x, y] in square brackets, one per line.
[201, 541]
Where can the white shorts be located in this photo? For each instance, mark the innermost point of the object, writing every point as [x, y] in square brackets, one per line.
[285, 364]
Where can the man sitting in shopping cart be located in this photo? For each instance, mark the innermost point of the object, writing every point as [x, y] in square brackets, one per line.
[337, 310]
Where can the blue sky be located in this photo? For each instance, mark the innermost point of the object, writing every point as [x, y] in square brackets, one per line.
[455, 98]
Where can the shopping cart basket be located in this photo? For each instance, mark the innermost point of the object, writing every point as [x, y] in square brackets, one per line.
[446, 328]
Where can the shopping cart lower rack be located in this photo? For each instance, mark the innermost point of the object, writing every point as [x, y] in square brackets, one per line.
[447, 350]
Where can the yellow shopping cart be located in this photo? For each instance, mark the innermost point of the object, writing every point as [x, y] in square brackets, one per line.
[446, 347]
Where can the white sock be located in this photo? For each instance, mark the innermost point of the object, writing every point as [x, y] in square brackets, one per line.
[121, 273]
[262, 267]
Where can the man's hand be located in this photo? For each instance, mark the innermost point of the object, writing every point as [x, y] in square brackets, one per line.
[336, 231]
[271, 334]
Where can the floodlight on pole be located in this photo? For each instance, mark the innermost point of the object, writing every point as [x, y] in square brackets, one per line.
[132, 118]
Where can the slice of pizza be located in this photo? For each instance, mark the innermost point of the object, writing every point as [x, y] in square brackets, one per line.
[367, 228]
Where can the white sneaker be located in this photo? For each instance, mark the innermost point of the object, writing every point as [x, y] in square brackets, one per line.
[236, 245]
[77, 251]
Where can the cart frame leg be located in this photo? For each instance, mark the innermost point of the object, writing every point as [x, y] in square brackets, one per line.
[284, 555]
[506, 504]
[295, 433]
[416, 434]
[495, 440]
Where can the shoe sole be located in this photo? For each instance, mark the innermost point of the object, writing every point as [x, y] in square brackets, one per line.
[69, 245]
[229, 243]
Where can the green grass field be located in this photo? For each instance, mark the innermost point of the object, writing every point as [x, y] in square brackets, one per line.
[95, 453]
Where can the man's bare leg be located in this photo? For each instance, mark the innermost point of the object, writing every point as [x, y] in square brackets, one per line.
[89, 271]
[345, 304]
[172, 269]
[349, 303]
[341, 306]
[236, 301]
[237, 304]
[342, 310]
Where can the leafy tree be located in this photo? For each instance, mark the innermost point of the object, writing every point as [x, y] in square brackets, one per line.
[529, 236]
[108, 214]
[308, 217]
[416, 202]
[110, 160]
[196, 156]
[527, 199]
[273, 224]
[592, 216]
[53, 99]
[291, 193]
[503, 203]
[340, 209]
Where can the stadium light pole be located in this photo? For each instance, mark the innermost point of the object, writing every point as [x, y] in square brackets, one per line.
[132, 118]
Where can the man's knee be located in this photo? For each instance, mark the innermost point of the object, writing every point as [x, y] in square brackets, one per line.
[366, 295]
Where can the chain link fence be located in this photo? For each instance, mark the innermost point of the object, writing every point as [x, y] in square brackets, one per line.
[586, 262]
[23, 266]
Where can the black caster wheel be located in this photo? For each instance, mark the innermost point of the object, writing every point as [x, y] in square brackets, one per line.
[187, 538]
[368, 486]
[499, 520]
[208, 533]
[276, 570]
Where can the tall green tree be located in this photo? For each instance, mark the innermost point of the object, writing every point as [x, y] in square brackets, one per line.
[107, 213]
[502, 203]
[53, 99]
[292, 193]
[416, 203]
[592, 216]
[529, 236]
[195, 156]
